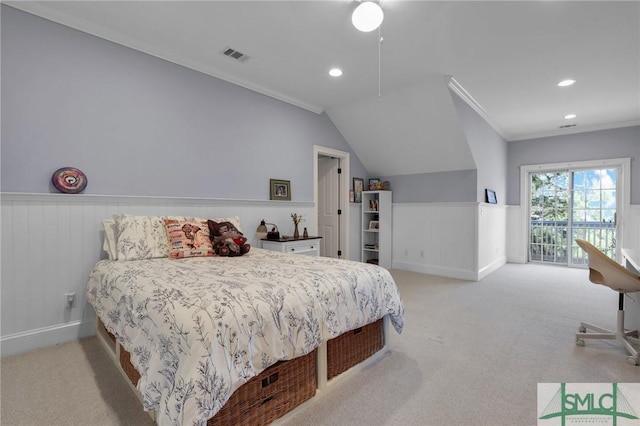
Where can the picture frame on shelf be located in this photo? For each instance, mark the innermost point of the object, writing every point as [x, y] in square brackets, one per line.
[490, 196]
[352, 196]
[280, 190]
[374, 225]
[358, 187]
[374, 184]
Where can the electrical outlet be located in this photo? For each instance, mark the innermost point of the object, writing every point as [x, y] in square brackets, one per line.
[70, 300]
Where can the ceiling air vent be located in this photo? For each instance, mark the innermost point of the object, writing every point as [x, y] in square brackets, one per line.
[232, 53]
[564, 126]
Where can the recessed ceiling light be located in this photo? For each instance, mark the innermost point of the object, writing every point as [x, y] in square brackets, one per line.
[569, 116]
[565, 83]
[335, 72]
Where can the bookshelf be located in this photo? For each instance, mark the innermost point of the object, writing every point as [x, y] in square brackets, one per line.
[376, 228]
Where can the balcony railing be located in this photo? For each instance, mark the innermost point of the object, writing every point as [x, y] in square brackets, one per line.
[549, 240]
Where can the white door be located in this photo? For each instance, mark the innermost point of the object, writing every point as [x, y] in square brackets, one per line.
[329, 205]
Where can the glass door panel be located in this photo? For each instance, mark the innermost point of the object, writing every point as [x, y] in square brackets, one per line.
[594, 215]
[571, 204]
[548, 214]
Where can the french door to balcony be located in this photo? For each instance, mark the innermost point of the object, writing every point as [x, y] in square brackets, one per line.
[570, 204]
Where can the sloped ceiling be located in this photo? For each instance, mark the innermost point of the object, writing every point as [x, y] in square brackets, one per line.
[508, 56]
[395, 134]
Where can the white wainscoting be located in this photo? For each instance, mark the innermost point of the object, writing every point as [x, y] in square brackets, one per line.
[632, 241]
[436, 238]
[492, 238]
[632, 229]
[50, 242]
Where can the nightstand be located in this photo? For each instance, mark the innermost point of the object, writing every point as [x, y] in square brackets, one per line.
[309, 246]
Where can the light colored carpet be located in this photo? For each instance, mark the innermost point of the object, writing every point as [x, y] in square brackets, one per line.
[70, 384]
[471, 353]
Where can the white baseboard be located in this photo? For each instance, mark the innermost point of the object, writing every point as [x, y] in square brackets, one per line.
[493, 266]
[18, 343]
[435, 270]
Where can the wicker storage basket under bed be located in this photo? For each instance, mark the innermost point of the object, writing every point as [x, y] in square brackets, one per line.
[266, 397]
[271, 394]
[127, 367]
[353, 347]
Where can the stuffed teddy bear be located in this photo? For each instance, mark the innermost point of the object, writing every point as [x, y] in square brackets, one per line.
[226, 239]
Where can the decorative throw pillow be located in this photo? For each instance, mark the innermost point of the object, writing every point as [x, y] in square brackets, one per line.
[188, 238]
[140, 237]
[227, 240]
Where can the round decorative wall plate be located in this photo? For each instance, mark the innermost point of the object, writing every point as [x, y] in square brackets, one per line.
[69, 180]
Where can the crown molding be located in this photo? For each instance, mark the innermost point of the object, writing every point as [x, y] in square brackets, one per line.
[462, 93]
[574, 130]
[41, 10]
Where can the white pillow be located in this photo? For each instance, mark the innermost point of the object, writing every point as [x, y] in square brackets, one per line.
[145, 237]
[109, 244]
[235, 221]
[140, 237]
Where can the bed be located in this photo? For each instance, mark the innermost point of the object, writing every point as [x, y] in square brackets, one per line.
[196, 329]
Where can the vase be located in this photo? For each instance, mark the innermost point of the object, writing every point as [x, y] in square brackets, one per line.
[296, 234]
[305, 234]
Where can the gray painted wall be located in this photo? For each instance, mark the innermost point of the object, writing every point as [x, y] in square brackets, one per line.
[489, 151]
[612, 143]
[139, 125]
[440, 187]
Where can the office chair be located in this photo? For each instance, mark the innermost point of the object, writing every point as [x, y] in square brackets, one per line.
[603, 270]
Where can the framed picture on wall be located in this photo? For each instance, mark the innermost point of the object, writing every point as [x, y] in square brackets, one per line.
[358, 187]
[280, 190]
[490, 196]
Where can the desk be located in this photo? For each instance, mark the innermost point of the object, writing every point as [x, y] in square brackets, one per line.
[632, 262]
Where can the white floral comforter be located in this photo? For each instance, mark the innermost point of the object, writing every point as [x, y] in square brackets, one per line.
[198, 328]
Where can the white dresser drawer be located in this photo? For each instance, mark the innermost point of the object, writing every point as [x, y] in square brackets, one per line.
[312, 248]
[307, 246]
